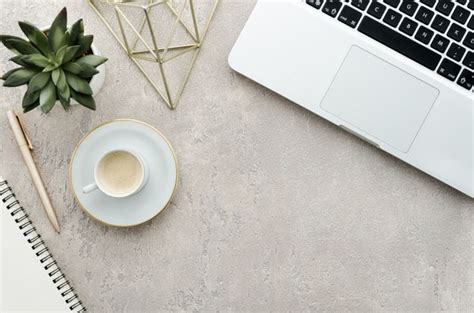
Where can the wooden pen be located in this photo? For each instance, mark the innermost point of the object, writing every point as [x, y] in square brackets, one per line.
[25, 146]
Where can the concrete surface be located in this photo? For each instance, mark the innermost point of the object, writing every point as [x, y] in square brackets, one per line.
[276, 209]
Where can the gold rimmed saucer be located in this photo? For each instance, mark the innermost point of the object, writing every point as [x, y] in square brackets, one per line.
[122, 134]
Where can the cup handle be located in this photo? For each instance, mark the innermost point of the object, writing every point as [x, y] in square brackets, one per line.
[90, 188]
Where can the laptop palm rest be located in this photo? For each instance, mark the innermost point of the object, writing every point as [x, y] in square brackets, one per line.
[379, 99]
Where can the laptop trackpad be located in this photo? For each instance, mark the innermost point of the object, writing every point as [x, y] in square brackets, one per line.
[379, 99]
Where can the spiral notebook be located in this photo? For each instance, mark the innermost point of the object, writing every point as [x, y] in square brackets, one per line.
[31, 280]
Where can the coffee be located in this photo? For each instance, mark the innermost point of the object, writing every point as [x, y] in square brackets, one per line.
[120, 173]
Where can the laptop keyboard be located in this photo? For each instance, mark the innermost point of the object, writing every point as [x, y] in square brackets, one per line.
[438, 34]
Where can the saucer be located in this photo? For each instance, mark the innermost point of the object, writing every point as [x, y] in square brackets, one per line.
[151, 145]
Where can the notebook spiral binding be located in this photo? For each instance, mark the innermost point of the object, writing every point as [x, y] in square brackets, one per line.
[37, 244]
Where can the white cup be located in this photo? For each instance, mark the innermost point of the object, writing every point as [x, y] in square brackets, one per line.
[119, 173]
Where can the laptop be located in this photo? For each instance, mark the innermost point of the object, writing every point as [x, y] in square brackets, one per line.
[398, 74]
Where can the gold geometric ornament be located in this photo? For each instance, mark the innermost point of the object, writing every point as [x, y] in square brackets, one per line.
[162, 37]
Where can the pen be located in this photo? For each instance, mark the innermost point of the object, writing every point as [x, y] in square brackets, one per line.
[25, 146]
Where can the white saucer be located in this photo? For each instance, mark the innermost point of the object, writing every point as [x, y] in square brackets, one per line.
[151, 145]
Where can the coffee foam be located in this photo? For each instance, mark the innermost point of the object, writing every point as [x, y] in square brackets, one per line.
[119, 173]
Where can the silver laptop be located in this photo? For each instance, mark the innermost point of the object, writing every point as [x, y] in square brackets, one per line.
[398, 74]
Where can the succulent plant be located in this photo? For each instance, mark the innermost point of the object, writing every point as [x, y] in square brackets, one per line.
[56, 64]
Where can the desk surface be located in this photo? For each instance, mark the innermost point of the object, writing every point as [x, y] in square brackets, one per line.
[276, 208]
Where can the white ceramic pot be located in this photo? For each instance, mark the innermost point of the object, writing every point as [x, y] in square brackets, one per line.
[97, 80]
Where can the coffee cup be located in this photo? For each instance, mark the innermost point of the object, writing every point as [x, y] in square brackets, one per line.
[119, 174]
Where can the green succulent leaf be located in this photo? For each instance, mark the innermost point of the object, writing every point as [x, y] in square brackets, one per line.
[37, 60]
[48, 97]
[36, 36]
[57, 30]
[7, 74]
[38, 81]
[65, 92]
[30, 97]
[92, 60]
[72, 67]
[85, 100]
[87, 71]
[22, 46]
[78, 84]
[81, 29]
[85, 42]
[70, 53]
[81, 69]
[4, 40]
[65, 40]
[31, 107]
[61, 81]
[58, 59]
[64, 96]
[65, 103]
[50, 68]
[18, 60]
[75, 31]
[20, 77]
[55, 76]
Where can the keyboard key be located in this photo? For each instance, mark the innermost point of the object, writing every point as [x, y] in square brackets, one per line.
[360, 4]
[469, 60]
[440, 43]
[409, 7]
[445, 7]
[449, 69]
[470, 4]
[456, 32]
[408, 26]
[315, 3]
[429, 3]
[399, 43]
[332, 7]
[424, 34]
[392, 18]
[466, 79]
[350, 16]
[469, 40]
[460, 14]
[461, 1]
[392, 3]
[471, 23]
[376, 9]
[456, 52]
[440, 23]
[424, 15]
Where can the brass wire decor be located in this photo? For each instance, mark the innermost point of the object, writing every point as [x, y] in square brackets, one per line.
[140, 39]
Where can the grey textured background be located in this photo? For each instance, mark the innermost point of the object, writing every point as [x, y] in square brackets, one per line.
[276, 209]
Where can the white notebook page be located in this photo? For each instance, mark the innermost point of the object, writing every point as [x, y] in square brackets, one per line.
[25, 284]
